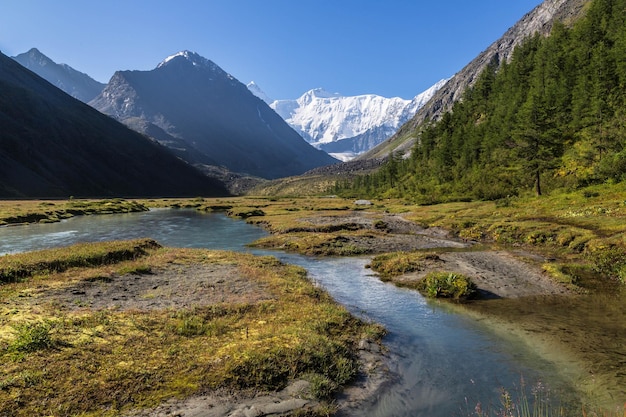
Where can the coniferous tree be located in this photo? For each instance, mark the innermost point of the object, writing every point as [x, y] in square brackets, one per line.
[556, 110]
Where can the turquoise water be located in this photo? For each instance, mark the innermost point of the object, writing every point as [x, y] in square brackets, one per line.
[443, 363]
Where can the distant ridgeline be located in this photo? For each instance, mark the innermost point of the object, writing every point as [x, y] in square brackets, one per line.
[553, 116]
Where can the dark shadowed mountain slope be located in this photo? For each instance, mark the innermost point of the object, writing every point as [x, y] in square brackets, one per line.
[74, 83]
[539, 20]
[208, 117]
[52, 145]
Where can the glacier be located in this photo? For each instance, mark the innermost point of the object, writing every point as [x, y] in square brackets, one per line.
[346, 126]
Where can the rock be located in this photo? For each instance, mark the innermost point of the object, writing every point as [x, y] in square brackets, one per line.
[369, 346]
[284, 407]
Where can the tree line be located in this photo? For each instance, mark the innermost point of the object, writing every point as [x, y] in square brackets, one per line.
[552, 116]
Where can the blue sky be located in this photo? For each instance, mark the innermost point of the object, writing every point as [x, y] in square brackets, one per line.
[386, 47]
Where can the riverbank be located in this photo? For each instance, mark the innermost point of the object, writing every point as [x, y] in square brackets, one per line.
[108, 332]
[20, 212]
[498, 273]
[549, 272]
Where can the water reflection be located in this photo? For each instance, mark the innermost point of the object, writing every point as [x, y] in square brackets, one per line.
[445, 362]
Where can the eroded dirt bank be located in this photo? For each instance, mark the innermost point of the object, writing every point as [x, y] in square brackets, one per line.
[497, 273]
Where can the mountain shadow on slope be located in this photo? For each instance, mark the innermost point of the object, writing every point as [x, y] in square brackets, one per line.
[213, 118]
[52, 146]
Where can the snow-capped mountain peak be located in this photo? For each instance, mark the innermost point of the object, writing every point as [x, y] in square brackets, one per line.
[345, 126]
[320, 93]
[187, 59]
[194, 58]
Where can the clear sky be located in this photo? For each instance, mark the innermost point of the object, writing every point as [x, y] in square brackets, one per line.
[386, 47]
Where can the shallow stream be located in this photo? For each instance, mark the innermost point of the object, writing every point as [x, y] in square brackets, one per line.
[444, 359]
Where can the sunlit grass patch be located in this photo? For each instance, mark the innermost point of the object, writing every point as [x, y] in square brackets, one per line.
[393, 264]
[36, 211]
[314, 244]
[446, 285]
[30, 337]
[15, 267]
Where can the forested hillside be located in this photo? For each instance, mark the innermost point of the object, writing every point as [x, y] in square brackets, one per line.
[553, 116]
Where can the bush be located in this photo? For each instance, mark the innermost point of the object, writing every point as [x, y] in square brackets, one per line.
[322, 387]
[31, 337]
[447, 285]
[609, 260]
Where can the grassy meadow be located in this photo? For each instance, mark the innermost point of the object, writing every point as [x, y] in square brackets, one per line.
[47, 211]
[582, 232]
[85, 361]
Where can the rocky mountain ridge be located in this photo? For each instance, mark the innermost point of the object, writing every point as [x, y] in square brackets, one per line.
[75, 83]
[55, 146]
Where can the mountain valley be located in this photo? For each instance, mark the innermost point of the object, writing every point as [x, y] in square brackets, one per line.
[498, 194]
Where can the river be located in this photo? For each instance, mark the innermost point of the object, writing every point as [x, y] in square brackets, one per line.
[444, 360]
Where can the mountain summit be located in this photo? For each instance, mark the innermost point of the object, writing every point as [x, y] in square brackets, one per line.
[189, 58]
[346, 126]
[73, 82]
[207, 117]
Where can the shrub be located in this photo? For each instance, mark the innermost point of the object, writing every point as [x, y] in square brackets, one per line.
[31, 337]
[609, 260]
[322, 387]
[447, 285]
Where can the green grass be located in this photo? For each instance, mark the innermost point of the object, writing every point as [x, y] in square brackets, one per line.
[312, 244]
[389, 265]
[583, 229]
[49, 211]
[31, 337]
